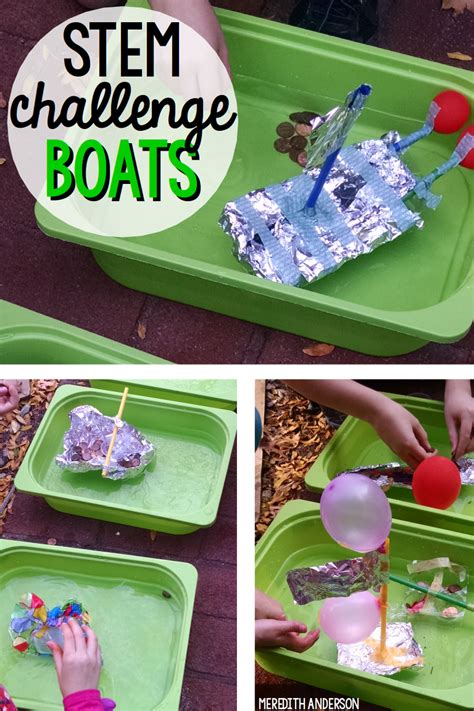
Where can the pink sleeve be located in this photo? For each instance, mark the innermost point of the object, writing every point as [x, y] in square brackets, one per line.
[83, 701]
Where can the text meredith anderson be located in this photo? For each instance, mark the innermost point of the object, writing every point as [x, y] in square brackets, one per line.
[297, 704]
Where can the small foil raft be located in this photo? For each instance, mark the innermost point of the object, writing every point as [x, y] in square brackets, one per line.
[399, 475]
[402, 652]
[87, 441]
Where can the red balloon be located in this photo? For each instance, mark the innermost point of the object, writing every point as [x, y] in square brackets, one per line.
[454, 113]
[468, 161]
[436, 482]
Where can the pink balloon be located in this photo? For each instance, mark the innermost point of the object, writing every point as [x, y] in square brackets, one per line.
[355, 512]
[350, 619]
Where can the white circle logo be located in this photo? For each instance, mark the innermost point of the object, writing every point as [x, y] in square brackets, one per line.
[122, 122]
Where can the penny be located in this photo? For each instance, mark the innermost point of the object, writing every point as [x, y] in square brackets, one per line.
[298, 143]
[303, 116]
[285, 130]
[282, 145]
[454, 588]
[294, 153]
[302, 129]
[302, 159]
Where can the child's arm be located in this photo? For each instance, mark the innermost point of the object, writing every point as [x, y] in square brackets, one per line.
[459, 414]
[6, 701]
[397, 427]
[78, 667]
[199, 15]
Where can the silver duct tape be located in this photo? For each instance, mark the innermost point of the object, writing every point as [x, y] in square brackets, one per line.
[339, 578]
[87, 441]
[248, 246]
[399, 475]
[312, 248]
[403, 652]
[390, 168]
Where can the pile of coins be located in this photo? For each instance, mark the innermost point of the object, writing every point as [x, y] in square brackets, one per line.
[85, 451]
[293, 137]
[129, 462]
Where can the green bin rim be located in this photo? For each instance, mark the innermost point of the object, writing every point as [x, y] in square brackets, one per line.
[18, 322]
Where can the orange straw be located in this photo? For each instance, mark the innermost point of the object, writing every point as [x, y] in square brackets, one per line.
[383, 607]
[114, 433]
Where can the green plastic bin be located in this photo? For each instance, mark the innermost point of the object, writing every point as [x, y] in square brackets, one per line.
[212, 393]
[143, 634]
[297, 538]
[356, 443]
[180, 490]
[393, 301]
[28, 337]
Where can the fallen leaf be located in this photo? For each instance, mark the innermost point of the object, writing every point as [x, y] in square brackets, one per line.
[460, 56]
[3, 102]
[52, 541]
[141, 330]
[319, 349]
[458, 5]
[2, 161]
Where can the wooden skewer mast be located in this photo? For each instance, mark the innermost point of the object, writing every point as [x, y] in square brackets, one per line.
[114, 434]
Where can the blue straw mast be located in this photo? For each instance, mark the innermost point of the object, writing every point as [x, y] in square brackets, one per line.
[331, 137]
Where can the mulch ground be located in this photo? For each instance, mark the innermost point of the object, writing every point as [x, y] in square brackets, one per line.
[295, 432]
[17, 429]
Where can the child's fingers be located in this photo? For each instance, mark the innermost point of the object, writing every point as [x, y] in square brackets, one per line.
[79, 640]
[422, 437]
[452, 432]
[465, 431]
[57, 655]
[301, 644]
[91, 639]
[287, 626]
[69, 641]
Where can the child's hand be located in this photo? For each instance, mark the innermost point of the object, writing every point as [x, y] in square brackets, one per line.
[199, 15]
[78, 664]
[284, 633]
[459, 415]
[267, 608]
[8, 397]
[401, 431]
